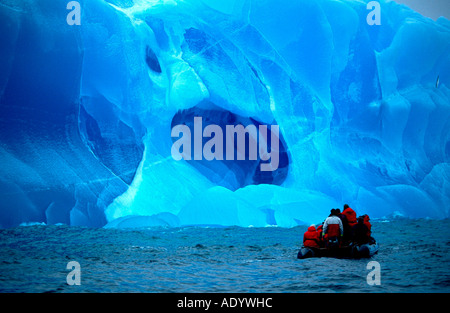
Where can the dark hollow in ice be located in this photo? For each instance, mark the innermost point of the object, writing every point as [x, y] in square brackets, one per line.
[232, 174]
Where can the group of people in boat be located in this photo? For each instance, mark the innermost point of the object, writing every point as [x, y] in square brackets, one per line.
[339, 229]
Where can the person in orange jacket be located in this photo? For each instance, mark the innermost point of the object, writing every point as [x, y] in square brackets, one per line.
[350, 214]
[319, 231]
[311, 238]
[333, 230]
[367, 223]
[360, 232]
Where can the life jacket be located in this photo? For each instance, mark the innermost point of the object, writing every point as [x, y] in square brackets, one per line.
[311, 238]
[351, 216]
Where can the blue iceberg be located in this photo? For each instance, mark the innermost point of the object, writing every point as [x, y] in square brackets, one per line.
[86, 111]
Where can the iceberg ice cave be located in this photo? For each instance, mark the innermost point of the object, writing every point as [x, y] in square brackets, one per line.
[86, 111]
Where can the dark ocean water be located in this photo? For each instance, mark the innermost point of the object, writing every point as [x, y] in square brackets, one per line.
[414, 257]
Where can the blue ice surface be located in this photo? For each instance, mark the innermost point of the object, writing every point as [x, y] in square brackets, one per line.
[86, 111]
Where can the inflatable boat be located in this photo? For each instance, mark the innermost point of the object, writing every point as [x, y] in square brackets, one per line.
[351, 251]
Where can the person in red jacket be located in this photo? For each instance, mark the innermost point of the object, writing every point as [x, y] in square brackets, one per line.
[350, 215]
[360, 232]
[311, 238]
[367, 223]
[333, 230]
[319, 231]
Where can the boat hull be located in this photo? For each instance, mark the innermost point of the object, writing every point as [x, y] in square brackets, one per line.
[353, 252]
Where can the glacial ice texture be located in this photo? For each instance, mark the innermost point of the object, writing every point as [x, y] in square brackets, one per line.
[86, 111]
